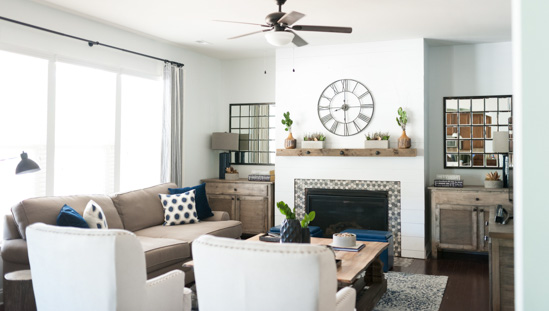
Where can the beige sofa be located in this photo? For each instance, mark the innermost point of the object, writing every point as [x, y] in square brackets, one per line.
[140, 211]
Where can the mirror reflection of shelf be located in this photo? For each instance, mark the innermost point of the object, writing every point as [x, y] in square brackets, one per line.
[469, 125]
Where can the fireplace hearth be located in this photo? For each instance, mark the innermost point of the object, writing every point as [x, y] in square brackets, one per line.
[340, 209]
[392, 188]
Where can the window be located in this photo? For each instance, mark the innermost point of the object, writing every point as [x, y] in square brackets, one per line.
[100, 130]
[23, 125]
[469, 124]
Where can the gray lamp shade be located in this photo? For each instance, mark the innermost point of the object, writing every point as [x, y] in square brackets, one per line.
[26, 165]
[225, 141]
[501, 142]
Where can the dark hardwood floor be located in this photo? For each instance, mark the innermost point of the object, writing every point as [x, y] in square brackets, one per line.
[468, 286]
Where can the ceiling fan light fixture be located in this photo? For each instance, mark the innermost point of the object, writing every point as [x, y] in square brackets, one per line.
[279, 38]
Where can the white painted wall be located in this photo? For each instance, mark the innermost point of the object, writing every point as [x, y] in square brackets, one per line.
[249, 80]
[394, 73]
[531, 65]
[463, 70]
[202, 78]
[201, 72]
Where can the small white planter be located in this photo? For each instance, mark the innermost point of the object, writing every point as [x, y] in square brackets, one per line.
[231, 176]
[376, 144]
[306, 144]
[492, 184]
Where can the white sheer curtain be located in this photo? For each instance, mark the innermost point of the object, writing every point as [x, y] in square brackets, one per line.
[172, 131]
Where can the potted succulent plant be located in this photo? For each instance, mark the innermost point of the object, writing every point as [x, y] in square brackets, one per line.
[492, 181]
[313, 141]
[291, 230]
[379, 140]
[404, 141]
[290, 142]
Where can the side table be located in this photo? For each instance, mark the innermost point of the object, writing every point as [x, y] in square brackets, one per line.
[18, 292]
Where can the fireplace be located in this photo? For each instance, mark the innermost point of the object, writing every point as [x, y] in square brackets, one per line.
[392, 188]
[340, 209]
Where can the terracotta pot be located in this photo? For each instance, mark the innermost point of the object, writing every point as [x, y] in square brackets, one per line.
[290, 142]
[404, 142]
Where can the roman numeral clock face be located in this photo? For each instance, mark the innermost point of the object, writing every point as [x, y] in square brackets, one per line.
[345, 107]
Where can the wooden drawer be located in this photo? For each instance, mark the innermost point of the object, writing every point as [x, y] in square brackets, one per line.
[470, 197]
[237, 188]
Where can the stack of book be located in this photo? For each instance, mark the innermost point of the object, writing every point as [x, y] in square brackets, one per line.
[355, 248]
[452, 181]
[262, 176]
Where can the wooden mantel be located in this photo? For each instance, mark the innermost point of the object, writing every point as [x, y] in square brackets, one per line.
[346, 152]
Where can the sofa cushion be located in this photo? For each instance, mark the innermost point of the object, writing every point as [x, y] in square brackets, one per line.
[141, 208]
[202, 206]
[94, 216]
[46, 209]
[68, 217]
[228, 228]
[160, 253]
[179, 209]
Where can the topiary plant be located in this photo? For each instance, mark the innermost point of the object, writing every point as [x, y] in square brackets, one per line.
[287, 121]
[402, 118]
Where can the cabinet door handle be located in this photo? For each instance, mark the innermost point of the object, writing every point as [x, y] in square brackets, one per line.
[234, 189]
[238, 199]
[486, 223]
[482, 210]
[485, 238]
[477, 199]
[308, 152]
[475, 209]
[232, 199]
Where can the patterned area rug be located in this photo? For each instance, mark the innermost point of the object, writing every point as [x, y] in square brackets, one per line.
[412, 292]
[402, 262]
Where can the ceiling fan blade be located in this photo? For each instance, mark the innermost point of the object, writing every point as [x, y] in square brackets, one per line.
[290, 18]
[251, 33]
[322, 28]
[298, 41]
[262, 25]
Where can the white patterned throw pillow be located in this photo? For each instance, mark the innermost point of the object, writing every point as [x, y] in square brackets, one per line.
[94, 216]
[179, 209]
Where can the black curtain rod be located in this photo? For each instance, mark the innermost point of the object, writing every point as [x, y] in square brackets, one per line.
[91, 43]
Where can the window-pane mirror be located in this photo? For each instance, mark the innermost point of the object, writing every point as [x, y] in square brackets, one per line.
[256, 126]
[469, 124]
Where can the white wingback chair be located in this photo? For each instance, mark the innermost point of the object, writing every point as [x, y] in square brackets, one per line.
[243, 275]
[93, 269]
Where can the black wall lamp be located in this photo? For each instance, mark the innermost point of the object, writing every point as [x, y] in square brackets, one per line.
[26, 165]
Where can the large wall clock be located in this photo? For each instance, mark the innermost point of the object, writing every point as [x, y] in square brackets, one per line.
[345, 107]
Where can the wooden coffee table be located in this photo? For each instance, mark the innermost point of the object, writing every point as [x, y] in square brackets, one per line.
[359, 269]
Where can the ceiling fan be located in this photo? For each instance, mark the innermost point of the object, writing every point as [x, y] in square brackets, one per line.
[280, 27]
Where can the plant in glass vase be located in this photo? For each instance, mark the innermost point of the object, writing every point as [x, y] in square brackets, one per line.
[290, 142]
[404, 141]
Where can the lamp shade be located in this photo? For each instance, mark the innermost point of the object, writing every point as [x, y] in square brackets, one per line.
[501, 142]
[279, 38]
[225, 141]
[26, 165]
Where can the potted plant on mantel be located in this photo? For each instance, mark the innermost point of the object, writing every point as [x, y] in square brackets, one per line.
[313, 141]
[293, 230]
[377, 140]
[404, 142]
[290, 142]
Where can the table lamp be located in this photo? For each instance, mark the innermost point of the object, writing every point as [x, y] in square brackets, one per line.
[501, 145]
[226, 142]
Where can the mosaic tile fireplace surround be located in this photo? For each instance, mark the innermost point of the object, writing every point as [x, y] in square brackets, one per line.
[392, 187]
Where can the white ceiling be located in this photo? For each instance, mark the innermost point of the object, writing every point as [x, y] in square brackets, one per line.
[184, 22]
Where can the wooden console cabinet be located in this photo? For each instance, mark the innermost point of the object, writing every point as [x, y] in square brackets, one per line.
[251, 202]
[460, 217]
[502, 265]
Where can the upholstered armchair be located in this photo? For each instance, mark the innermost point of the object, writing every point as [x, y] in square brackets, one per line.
[243, 275]
[93, 269]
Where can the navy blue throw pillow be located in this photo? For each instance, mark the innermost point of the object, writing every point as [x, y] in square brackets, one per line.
[202, 207]
[68, 217]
